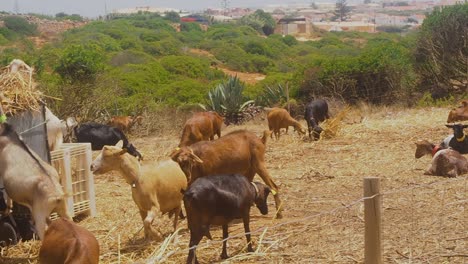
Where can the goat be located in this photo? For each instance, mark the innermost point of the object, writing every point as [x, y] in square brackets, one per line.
[217, 200]
[155, 187]
[125, 123]
[458, 114]
[28, 180]
[201, 126]
[424, 147]
[280, 118]
[67, 243]
[448, 162]
[54, 130]
[459, 142]
[100, 135]
[316, 112]
[240, 151]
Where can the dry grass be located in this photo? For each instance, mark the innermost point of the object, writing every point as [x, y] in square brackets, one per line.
[425, 218]
[18, 91]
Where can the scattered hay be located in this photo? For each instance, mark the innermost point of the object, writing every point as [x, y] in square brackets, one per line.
[332, 126]
[18, 90]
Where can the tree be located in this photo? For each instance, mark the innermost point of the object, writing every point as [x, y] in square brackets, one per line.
[172, 16]
[260, 21]
[441, 52]
[342, 10]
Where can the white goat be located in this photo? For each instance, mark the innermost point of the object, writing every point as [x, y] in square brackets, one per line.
[155, 187]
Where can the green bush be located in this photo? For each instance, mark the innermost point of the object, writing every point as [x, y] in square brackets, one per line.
[80, 63]
[129, 57]
[20, 25]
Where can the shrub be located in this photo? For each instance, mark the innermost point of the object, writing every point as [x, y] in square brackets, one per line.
[20, 25]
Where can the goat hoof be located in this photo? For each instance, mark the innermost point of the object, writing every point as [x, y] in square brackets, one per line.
[250, 249]
[224, 256]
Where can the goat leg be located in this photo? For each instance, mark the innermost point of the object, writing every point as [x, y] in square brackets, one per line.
[246, 219]
[149, 229]
[224, 254]
[9, 206]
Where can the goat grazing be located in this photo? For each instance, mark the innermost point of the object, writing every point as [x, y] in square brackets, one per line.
[217, 200]
[155, 187]
[240, 152]
[316, 112]
[201, 126]
[280, 118]
[68, 243]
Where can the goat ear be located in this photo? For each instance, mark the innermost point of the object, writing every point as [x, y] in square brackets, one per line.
[174, 154]
[465, 126]
[119, 144]
[196, 158]
[449, 126]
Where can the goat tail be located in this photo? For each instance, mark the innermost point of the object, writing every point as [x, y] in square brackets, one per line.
[266, 134]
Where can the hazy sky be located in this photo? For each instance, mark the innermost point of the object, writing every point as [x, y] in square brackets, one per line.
[93, 8]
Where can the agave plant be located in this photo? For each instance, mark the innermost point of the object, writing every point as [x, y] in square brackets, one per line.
[227, 100]
[276, 95]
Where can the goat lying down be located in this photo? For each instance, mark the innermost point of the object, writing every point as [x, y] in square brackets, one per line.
[448, 163]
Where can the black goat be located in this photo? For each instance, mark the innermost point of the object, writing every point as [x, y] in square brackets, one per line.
[100, 135]
[459, 142]
[316, 112]
[217, 200]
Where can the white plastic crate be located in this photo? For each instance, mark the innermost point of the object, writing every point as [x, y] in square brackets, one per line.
[72, 162]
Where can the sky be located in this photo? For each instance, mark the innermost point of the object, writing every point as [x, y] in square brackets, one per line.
[94, 8]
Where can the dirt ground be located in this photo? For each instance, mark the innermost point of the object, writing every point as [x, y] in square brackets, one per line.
[425, 218]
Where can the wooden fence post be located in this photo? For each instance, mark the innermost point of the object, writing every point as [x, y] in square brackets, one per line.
[373, 221]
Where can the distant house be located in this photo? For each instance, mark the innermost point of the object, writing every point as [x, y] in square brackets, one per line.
[346, 26]
[293, 26]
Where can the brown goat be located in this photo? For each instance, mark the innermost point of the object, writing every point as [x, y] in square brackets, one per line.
[240, 152]
[68, 243]
[458, 114]
[201, 126]
[125, 123]
[280, 118]
[449, 163]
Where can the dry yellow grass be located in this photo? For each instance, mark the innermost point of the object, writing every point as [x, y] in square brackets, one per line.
[18, 91]
[425, 218]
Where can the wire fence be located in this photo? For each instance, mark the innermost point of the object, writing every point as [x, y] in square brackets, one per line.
[422, 223]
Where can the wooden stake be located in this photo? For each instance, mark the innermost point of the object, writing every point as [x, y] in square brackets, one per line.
[373, 221]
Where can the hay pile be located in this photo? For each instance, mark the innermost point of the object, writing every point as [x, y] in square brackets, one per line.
[332, 126]
[18, 90]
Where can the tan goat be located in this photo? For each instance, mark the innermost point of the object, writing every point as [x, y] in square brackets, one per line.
[28, 180]
[155, 187]
[280, 118]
